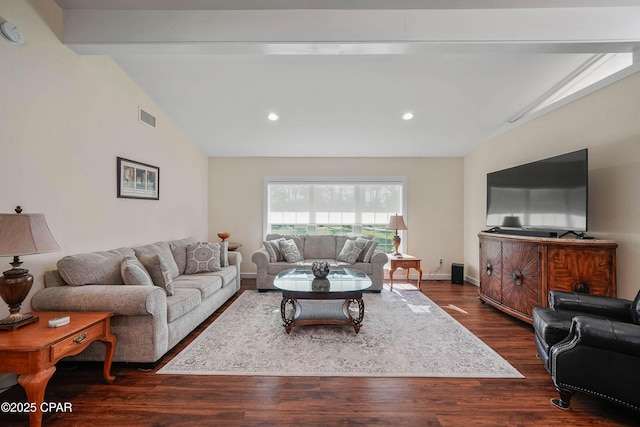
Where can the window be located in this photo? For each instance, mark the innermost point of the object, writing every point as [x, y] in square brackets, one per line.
[359, 205]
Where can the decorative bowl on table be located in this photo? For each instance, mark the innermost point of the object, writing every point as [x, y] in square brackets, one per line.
[320, 269]
[224, 235]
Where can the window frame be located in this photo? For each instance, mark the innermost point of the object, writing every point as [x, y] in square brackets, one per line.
[332, 180]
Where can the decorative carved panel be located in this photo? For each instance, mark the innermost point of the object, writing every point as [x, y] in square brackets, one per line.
[520, 277]
[491, 269]
[586, 271]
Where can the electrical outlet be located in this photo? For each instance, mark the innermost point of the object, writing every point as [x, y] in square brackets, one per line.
[439, 261]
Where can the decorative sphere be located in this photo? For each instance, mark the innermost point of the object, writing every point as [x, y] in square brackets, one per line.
[320, 269]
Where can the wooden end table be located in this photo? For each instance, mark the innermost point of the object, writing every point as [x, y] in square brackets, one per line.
[234, 246]
[33, 350]
[406, 262]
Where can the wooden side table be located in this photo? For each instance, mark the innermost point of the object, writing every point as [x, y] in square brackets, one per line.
[234, 246]
[33, 350]
[406, 262]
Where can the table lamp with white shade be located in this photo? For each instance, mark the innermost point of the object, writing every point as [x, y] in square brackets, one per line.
[396, 222]
[21, 234]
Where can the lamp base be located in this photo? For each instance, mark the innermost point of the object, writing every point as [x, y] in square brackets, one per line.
[14, 288]
[396, 245]
[17, 320]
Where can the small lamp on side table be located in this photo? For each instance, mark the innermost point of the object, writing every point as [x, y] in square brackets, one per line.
[396, 222]
[21, 234]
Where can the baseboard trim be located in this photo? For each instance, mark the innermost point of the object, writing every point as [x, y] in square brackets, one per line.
[397, 276]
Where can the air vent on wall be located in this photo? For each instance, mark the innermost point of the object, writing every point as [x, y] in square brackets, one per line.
[147, 118]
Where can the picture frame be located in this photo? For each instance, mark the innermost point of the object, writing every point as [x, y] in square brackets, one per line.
[138, 180]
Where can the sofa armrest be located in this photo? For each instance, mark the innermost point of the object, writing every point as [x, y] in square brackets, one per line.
[379, 257]
[605, 334]
[261, 257]
[615, 308]
[125, 300]
[235, 258]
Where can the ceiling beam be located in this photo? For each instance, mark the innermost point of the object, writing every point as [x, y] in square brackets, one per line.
[557, 30]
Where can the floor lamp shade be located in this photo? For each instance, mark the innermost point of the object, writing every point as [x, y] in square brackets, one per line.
[396, 222]
[21, 234]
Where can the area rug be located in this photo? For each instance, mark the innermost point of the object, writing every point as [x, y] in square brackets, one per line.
[404, 334]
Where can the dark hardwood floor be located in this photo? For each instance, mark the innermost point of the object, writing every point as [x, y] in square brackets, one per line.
[142, 398]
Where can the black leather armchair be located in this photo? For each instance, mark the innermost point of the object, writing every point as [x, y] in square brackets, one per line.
[590, 344]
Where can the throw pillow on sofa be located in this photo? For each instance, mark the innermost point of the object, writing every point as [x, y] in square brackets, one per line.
[273, 248]
[203, 258]
[290, 251]
[351, 250]
[224, 254]
[367, 252]
[134, 273]
[159, 272]
[162, 249]
[97, 268]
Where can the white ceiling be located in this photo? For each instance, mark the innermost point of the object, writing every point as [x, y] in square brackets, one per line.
[341, 73]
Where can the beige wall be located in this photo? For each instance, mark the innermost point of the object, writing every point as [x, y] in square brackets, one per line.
[64, 119]
[434, 214]
[607, 123]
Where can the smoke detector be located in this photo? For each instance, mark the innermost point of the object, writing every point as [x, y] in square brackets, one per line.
[11, 32]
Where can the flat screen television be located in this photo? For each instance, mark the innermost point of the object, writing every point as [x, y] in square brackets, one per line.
[549, 194]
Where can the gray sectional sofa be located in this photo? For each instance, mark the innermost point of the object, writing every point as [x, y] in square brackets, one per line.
[150, 317]
[317, 248]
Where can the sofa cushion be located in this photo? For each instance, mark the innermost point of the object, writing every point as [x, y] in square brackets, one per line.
[320, 246]
[159, 272]
[182, 302]
[206, 283]
[97, 268]
[277, 267]
[227, 274]
[351, 250]
[162, 249]
[635, 309]
[290, 251]
[203, 257]
[134, 273]
[552, 326]
[179, 251]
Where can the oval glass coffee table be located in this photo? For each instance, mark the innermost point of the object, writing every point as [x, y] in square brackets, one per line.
[335, 300]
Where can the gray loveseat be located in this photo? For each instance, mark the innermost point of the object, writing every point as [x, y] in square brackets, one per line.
[147, 320]
[316, 248]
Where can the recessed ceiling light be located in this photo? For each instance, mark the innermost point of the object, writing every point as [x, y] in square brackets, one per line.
[273, 117]
[407, 116]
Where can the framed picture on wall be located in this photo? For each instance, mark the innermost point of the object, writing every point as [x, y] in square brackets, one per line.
[138, 180]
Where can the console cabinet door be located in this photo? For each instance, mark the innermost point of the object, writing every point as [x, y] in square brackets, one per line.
[520, 277]
[491, 269]
[589, 271]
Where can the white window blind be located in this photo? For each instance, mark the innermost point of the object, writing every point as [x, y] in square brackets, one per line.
[332, 205]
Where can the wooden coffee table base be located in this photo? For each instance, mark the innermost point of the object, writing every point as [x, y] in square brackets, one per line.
[33, 350]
